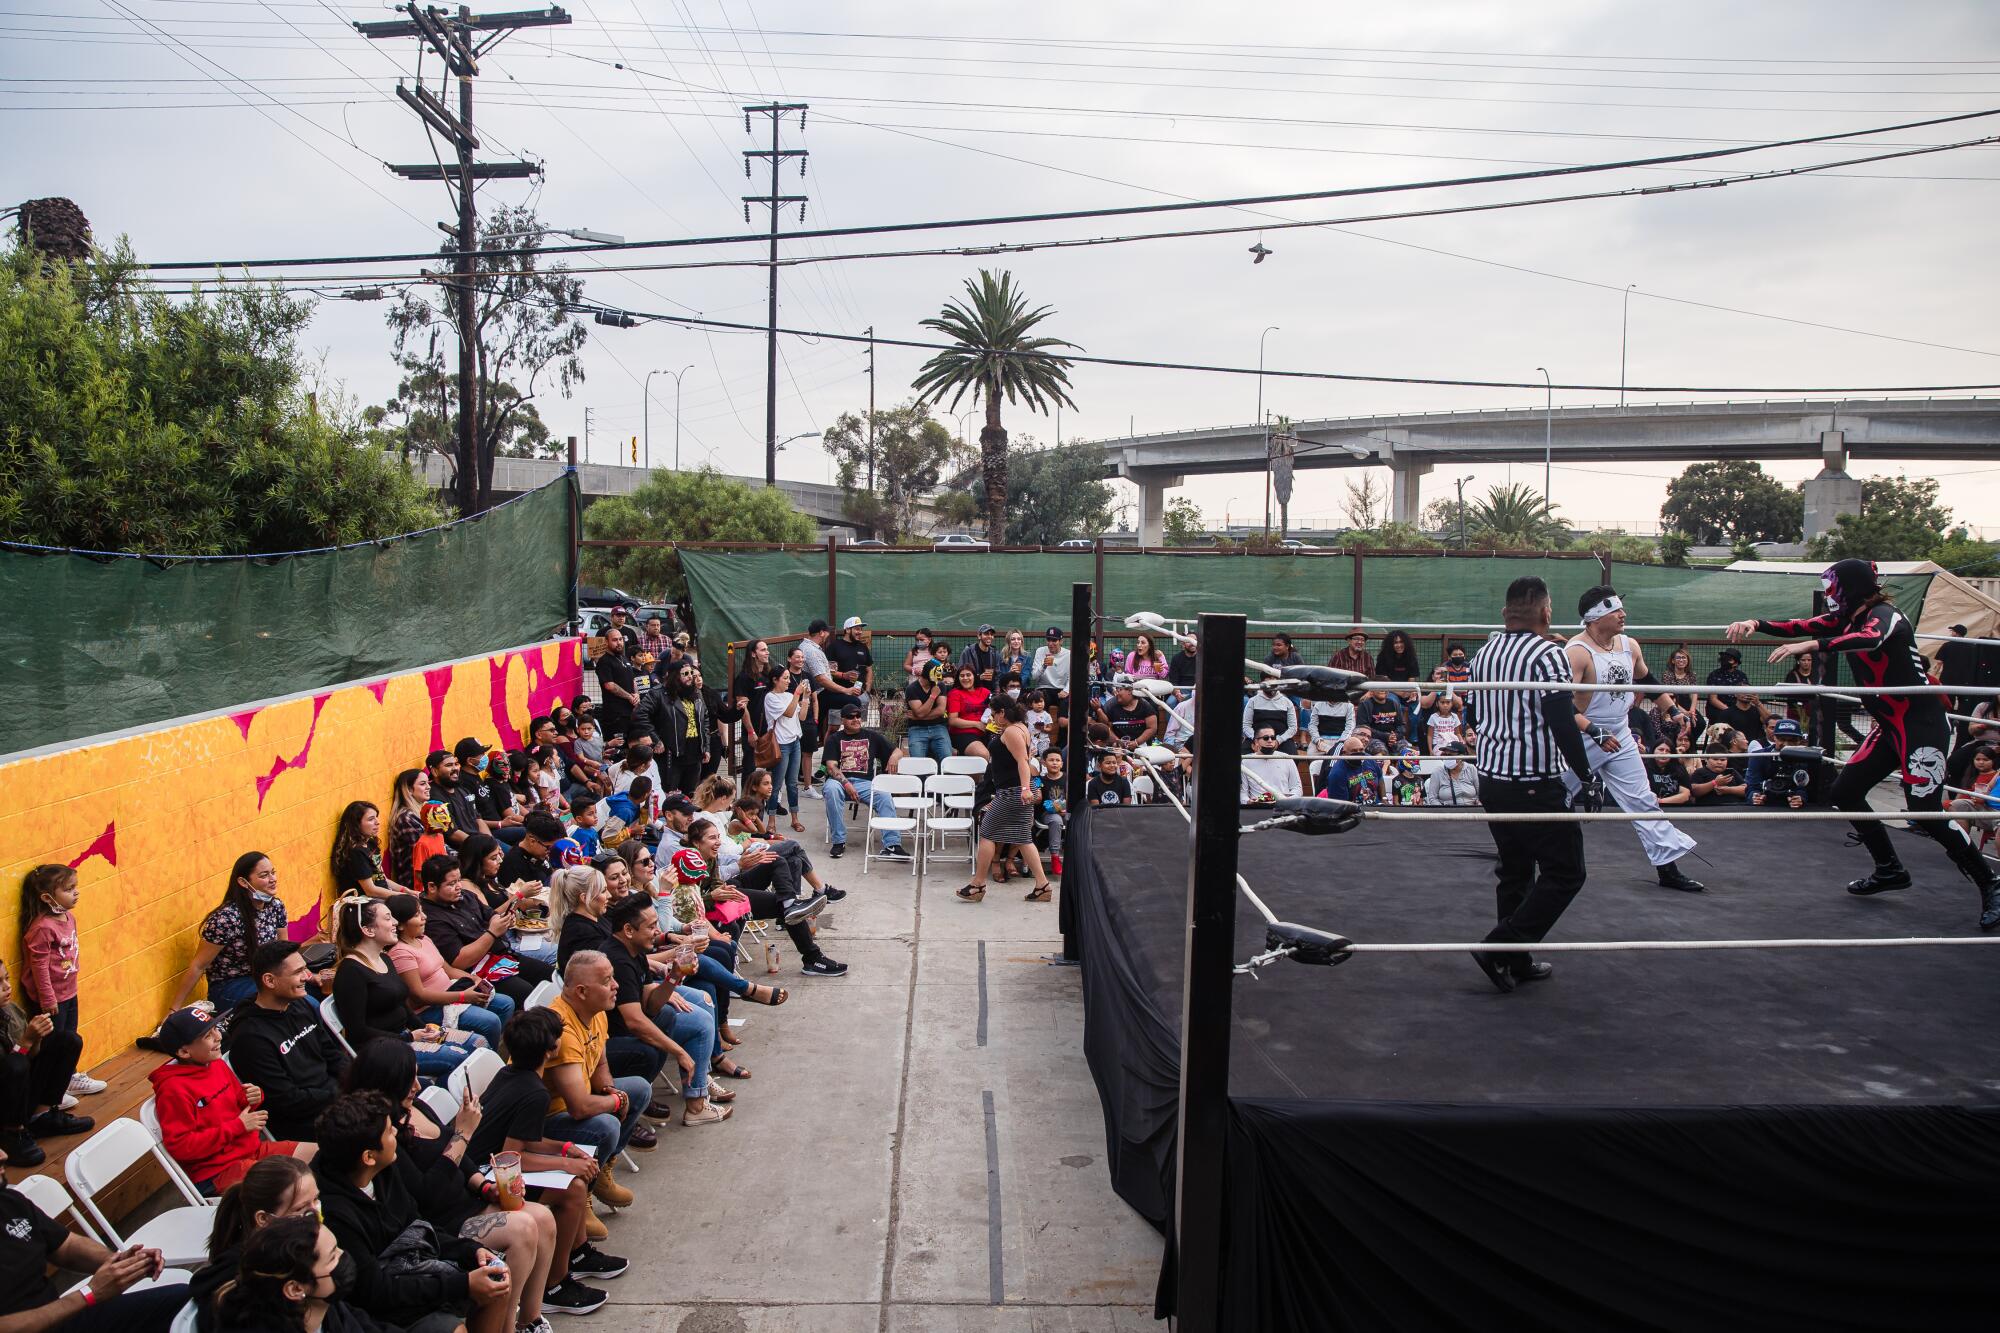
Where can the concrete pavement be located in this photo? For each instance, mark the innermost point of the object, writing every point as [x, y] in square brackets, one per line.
[920, 1149]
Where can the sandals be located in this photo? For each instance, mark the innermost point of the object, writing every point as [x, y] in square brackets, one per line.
[1001, 874]
[972, 893]
[734, 1070]
[1041, 892]
[797, 827]
[713, 1115]
[773, 995]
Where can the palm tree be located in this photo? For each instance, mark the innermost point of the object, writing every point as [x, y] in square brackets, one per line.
[994, 358]
[1514, 516]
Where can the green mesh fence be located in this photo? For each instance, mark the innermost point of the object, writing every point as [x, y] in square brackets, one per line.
[740, 595]
[93, 644]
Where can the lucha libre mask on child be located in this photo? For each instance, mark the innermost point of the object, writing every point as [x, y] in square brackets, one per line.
[436, 816]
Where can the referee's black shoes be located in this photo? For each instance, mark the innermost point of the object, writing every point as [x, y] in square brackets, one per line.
[1672, 877]
[1506, 971]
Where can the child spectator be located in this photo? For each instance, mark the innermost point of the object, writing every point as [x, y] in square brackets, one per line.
[628, 814]
[1443, 726]
[49, 949]
[209, 1121]
[1041, 724]
[583, 825]
[436, 817]
[36, 1063]
[1052, 806]
[1108, 786]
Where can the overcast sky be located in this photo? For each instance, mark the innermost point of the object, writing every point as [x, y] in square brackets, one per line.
[147, 113]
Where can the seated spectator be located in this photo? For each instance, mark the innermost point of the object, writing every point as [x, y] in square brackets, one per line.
[1268, 775]
[586, 1104]
[1108, 785]
[583, 756]
[471, 933]
[527, 861]
[1134, 720]
[654, 1021]
[357, 857]
[289, 1281]
[1453, 781]
[274, 1188]
[1981, 779]
[1283, 653]
[369, 1207]
[677, 812]
[1354, 656]
[768, 887]
[578, 899]
[628, 815]
[1052, 808]
[1667, 775]
[373, 1001]
[209, 1121]
[1672, 722]
[36, 1061]
[280, 1043]
[1145, 661]
[31, 1242]
[965, 712]
[1337, 779]
[457, 1193]
[250, 915]
[853, 756]
[1398, 658]
[1716, 783]
[440, 993]
[1267, 708]
[1441, 728]
[1384, 716]
[1327, 725]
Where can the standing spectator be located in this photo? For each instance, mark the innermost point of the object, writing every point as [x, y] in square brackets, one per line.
[1051, 673]
[819, 674]
[676, 713]
[1738, 711]
[280, 1043]
[1015, 661]
[618, 678]
[586, 1104]
[781, 714]
[36, 1062]
[1679, 669]
[1010, 818]
[357, 857]
[746, 697]
[412, 792]
[653, 639]
[1052, 810]
[720, 719]
[853, 665]
[1354, 657]
[209, 1120]
[926, 735]
[1398, 658]
[1804, 670]
[31, 1242]
[919, 655]
[1442, 727]
[1181, 668]
[250, 915]
[1146, 661]
[965, 710]
[1452, 782]
[854, 755]
[51, 958]
[984, 659]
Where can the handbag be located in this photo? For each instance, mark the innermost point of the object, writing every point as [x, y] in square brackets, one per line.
[765, 749]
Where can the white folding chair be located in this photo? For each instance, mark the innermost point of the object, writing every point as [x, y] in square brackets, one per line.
[543, 995]
[184, 1322]
[331, 1018]
[914, 766]
[950, 799]
[443, 1105]
[180, 1234]
[47, 1193]
[906, 796]
[971, 765]
[474, 1072]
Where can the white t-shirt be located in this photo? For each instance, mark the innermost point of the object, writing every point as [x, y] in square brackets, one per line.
[622, 777]
[1038, 739]
[786, 729]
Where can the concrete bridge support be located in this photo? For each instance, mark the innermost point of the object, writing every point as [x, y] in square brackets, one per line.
[1406, 503]
[1831, 493]
[1153, 505]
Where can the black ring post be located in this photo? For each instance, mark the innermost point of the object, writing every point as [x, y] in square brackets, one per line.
[1076, 775]
[1201, 1167]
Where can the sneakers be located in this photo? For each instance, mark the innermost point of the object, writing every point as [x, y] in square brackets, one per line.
[838, 850]
[539, 1324]
[643, 1139]
[57, 1124]
[897, 853]
[804, 909]
[589, 1261]
[833, 895]
[1055, 865]
[83, 1085]
[823, 966]
[571, 1297]
[68, 1103]
[21, 1148]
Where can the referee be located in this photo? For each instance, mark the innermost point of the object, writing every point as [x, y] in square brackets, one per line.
[1526, 737]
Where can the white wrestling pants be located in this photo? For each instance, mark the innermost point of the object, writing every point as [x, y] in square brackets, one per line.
[1624, 774]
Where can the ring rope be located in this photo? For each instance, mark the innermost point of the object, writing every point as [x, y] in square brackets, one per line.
[1672, 946]
[1662, 816]
[1482, 625]
[1263, 909]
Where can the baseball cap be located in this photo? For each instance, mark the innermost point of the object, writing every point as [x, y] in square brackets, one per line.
[1788, 728]
[677, 803]
[852, 710]
[1729, 655]
[620, 609]
[1960, 629]
[184, 1027]
[816, 626]
[987, 629]
[854, 622]
[470, 748]
[1055, 631]
[1454, 747]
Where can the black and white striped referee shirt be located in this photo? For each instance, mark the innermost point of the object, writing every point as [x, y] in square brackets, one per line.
[1514, 738]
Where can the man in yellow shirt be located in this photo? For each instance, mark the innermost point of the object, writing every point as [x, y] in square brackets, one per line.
[586, 1105]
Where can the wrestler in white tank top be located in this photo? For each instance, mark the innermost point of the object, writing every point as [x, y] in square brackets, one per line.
[1610, 709]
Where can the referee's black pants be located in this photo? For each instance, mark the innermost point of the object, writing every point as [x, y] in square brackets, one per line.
[1541, 865]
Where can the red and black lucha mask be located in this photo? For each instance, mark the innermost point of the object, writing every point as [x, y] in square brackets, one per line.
[1849, 583]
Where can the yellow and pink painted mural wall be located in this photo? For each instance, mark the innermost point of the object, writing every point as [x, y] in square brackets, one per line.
[152, 822]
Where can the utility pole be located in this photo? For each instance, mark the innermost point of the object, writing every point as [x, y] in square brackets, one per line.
[586, 435]
[457, 40]
[774, 201]
[871, 409]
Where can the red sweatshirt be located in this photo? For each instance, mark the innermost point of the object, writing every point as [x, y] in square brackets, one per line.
[52, 958]
[200, 1109]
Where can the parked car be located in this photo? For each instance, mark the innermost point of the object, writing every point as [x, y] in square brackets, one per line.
[1084, 543]
[869, 541]
[960, 541]
[1294, 544]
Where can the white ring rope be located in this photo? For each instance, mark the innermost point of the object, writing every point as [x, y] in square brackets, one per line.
[1671, 946]
[1263, 910]
[1676, 815]
[1386, 627]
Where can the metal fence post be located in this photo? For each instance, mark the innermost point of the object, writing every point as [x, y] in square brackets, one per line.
[1076, 775]
[1201, 1169]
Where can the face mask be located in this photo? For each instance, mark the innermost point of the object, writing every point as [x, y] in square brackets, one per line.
[345, 1274]
[1013, 694]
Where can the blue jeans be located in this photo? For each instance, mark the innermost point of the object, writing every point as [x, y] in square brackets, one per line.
[836, 808]
[928, 740]
[447, 1057]
[785, 777]
[485, 1020]
[604, 1134]
[229, 994]
[540, 948]
[693, 1032]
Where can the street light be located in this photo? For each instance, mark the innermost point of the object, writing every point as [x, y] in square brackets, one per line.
[1548, 433]
[647, 394]
[961, 425]
[1461, 511]
[1225, 514]
[1260, 420]
[1624, 328]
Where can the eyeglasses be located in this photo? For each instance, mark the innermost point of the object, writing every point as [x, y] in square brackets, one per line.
[646, 861]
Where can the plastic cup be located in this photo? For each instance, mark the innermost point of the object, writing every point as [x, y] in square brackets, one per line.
[507, 1180]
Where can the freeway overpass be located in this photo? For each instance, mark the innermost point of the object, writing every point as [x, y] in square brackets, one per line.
[516, 476]
[1831, 430]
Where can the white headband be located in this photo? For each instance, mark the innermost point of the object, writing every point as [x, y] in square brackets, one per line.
[1603, 609]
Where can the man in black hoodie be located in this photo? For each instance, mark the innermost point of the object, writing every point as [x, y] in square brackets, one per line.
[278, 1042]
[365, 1200]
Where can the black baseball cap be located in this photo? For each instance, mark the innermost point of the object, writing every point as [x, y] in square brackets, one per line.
[1055, 631]
[184, 1027]
[677, 802]
[987, 629]
[853, 710]
[1729, 655]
